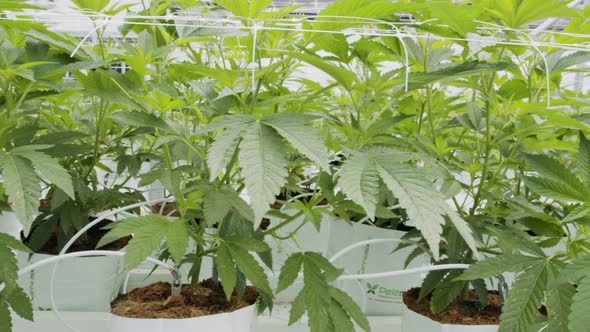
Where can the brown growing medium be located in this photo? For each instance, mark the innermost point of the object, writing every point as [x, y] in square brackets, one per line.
[154, 301]
[459, 312]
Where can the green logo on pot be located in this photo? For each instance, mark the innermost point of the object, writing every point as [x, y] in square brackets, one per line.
[371, 288]
[382, 291]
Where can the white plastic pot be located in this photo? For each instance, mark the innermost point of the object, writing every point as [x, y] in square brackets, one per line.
[414, 322]
[81, 284]
[241, 320]
[9, 224]
[308, 237]
[383, 296]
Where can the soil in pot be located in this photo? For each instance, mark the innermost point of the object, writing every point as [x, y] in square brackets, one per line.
[155, 301]
[468, 312]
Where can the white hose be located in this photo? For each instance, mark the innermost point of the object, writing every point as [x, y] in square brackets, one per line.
[55, 259]
[78, 235]
[366, 276]
[363, 243]
[58, 258]
[404, 272]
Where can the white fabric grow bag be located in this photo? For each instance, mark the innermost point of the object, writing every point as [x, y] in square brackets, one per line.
[241, 320]
[414, 322]
[81, 284]
[383, 296]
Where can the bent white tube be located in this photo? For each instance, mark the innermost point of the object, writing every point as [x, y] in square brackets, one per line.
[108, 215]
[363, 243]
[404, 272]
[58, 258]
[78, 235]
[87, 253]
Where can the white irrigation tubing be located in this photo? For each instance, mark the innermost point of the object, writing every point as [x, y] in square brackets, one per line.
[344, 32]
[534, 46]
[389, 273]
[56, 259]
[82, 232]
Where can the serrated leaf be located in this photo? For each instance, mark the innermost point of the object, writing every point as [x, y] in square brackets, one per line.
[446, 293]
[583, 160]
[516, 240]
[238, 8]
[340, 74]
[5, 318]
[22, 187]
[331, 272]
[569, 60]
[140, 119]
[351, 308]
[495, 266]
[555, 189]
[20, 303]
[559, 301]
[215, 207]
[226, 270]
[257, 6]
[222, 149]
[329, 18]
[8, 269]
[421, 202]
[430, 282]
[482, 291]
[465, 69]
[247, 243]
[339, 318]
[264, 167]
[462, 228]
[524, 300]
[359, 180]
[290, 271]
[50, 168]
[579, 320]
[250, 268]
[578, 212]
[95, 5]
[148, 233]
[8, 241]
[177, 236]
[297, 308]
[578, 269]
[551, 168]
[307, 140]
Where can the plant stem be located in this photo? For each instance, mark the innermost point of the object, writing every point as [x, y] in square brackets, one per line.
[487, 152]
[430, 111]
[284, 223]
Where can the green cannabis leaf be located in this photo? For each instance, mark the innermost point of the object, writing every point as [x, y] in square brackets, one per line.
[12, 296]
[412, 186]
[233, 256]
[148, 233]
[328, 308]
[261, 151]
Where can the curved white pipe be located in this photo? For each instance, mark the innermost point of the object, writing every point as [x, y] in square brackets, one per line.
[404, 272]
[363, 243]
[58, 258]
[87, 253]
[78, 235]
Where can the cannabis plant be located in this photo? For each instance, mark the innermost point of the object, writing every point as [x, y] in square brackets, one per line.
[28, 72]
[556, 281]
